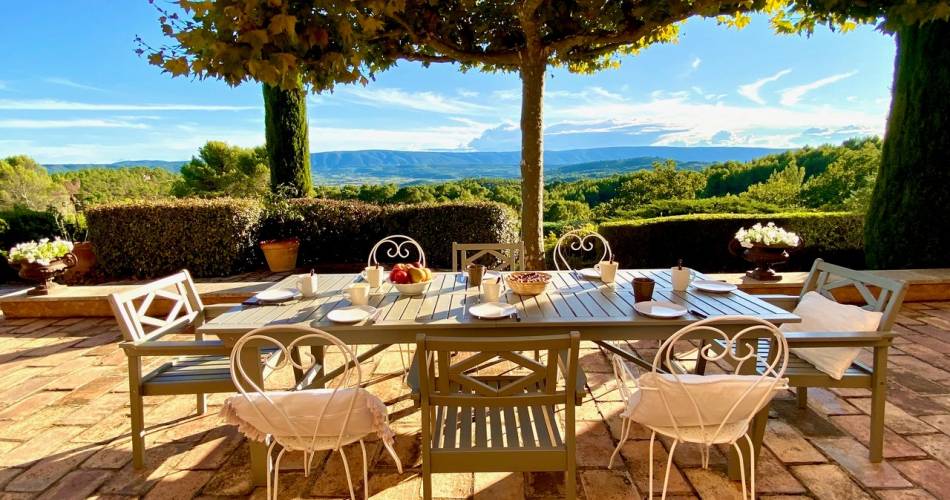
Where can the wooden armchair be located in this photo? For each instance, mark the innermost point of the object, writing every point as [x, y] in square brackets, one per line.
[497, 423]
[508, 256]
[879, 294]
[195, 366]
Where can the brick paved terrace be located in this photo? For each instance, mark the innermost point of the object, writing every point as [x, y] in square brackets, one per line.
[64, 432]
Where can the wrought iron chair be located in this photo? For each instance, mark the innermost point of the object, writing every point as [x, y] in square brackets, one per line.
[497, 422]
[579, 241]
[307, 420]
[506, 256]
[708, 410]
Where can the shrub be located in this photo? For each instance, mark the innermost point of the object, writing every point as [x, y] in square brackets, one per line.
[702, 240]
[152, 238]
[729, 204]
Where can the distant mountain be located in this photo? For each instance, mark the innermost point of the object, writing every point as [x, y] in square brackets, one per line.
[337, 167]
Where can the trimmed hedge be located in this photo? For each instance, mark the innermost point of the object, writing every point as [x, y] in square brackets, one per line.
[216, 237]
[144, 239]
[702, 240]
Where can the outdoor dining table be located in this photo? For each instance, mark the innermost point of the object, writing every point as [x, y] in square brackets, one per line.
[599, 312]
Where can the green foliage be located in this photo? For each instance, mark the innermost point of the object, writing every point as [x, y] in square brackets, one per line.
[92, 186]
[25, 183]
[151, 238]
[288, 141]
[730, 204]
[664, 182]
[847, 182]
[702, 240]
[566, 210]
[782, 188]
[224, 170]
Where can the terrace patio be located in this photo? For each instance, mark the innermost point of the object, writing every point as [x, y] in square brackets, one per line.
[65, 430]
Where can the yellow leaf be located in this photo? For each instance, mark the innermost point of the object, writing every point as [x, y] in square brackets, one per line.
[282, 23]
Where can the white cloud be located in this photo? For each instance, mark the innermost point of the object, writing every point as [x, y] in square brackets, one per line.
[66, 82]
[405, 139]
[56, 105]
[420, 101]
[468, 93]
[792, 95]
[80, 123]
[507, 95]
[751, 90]
[696, 62]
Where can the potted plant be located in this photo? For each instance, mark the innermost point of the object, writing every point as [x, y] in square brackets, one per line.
[764, 246]
[42, 261]
[73, 228]
[279, 245]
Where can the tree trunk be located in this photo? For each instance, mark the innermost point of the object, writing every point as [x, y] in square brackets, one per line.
[288, 144]
[532, 162]
[908, 222]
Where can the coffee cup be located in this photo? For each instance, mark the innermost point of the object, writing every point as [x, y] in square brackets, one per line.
[681, 278]
[374, 276]
[643, 289]
[607, 270]
[307, 284]
[358, 294]
[475, 274]
[491, 291]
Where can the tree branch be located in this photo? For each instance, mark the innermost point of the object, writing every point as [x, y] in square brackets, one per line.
[451, 52]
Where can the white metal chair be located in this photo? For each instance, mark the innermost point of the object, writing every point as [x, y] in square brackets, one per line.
[398, 246]
[307, 420]
[579, 241]
[707, 410]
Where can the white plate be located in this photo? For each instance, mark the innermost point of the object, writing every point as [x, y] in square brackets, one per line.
[714, 286]
[492, 310]
[488, 276]
[660, 309]
[278, 295]
[590, 273]
[351, 314]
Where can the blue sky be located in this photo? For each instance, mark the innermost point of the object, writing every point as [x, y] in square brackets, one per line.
[73, 91]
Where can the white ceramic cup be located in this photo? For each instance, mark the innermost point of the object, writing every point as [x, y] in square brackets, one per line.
[307, 284]
[681, 277]
[374, 276]
[491, 291]
[358, 294]
[607, 270]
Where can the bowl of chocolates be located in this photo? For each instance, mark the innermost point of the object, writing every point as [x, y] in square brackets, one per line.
[528, 283]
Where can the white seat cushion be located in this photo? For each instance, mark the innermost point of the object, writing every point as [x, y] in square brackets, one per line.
[659, 400]
[820, 314]
[258, 418]
[710, 434]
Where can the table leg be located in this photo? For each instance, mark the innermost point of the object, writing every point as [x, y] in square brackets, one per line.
[251, 362]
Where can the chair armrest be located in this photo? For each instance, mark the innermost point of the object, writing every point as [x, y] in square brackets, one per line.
[214, 310]
[786, 302]
[173, 348]
[838, 339]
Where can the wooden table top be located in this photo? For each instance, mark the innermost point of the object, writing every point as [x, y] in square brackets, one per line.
[570, 303]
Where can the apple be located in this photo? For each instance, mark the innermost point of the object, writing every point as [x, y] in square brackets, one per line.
[399, 276]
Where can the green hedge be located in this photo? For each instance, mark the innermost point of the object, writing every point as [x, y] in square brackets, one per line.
[702, 240]
[142, 239]
[343, 232]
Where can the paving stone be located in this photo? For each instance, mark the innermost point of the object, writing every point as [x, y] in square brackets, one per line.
[941, 422]
[937, 445]
[772, 476]
[594, 444]
[213, 450]
[713, 484]
[495, 486]
[546, 485]
[829, 482]
[7, 474]
[789, 445]
[828, 403]
[77, 484]
[390, 485]
[40, 446]
[50, 469]
[895, 446]
[895, 418]
[608, 485]
[181, 484]
[636, 456]
[904, 495]
[851, 455]
[931, 475]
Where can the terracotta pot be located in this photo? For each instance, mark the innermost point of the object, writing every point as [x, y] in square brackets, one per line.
[86, 257]
[281, 255]
[763, 257]
[45, 274]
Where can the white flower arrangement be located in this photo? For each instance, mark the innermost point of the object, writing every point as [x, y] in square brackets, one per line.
[42, 252]
[768, 235]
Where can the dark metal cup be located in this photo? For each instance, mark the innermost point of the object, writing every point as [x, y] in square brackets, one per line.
[475, 274]
[643, 289]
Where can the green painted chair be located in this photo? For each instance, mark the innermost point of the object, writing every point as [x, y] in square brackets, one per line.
[502, 422]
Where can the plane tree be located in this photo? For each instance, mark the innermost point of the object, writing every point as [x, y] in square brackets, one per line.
[908, 224]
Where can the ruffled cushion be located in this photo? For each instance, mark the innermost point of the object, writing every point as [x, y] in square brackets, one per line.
[258, 418]
[820, 314]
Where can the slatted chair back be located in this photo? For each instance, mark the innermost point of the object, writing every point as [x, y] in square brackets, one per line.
[880, 294]
[679, 399]
[396, 246]
[446, 379]
[135, 314]
[264, 406]
[499, 256]
[578, 246]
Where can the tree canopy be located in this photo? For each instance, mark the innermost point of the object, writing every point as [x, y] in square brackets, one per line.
[224, 170]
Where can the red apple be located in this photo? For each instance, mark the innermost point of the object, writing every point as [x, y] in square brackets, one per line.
[399, 276]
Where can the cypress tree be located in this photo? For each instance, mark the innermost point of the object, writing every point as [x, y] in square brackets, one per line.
[288, 144]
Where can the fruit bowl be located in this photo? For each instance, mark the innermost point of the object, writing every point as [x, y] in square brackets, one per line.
[528, 283]
[412, 288]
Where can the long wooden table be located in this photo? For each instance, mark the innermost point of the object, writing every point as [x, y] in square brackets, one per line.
[571, 303]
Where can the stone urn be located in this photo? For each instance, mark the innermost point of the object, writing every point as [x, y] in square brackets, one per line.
[45, 273]
[85, 260]
[763, 257]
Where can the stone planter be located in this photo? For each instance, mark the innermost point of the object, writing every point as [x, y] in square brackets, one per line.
[763, 257]
[85, 257]
[45, 274]
[281, 255]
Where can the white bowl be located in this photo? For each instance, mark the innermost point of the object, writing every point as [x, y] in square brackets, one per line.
[412, 288]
